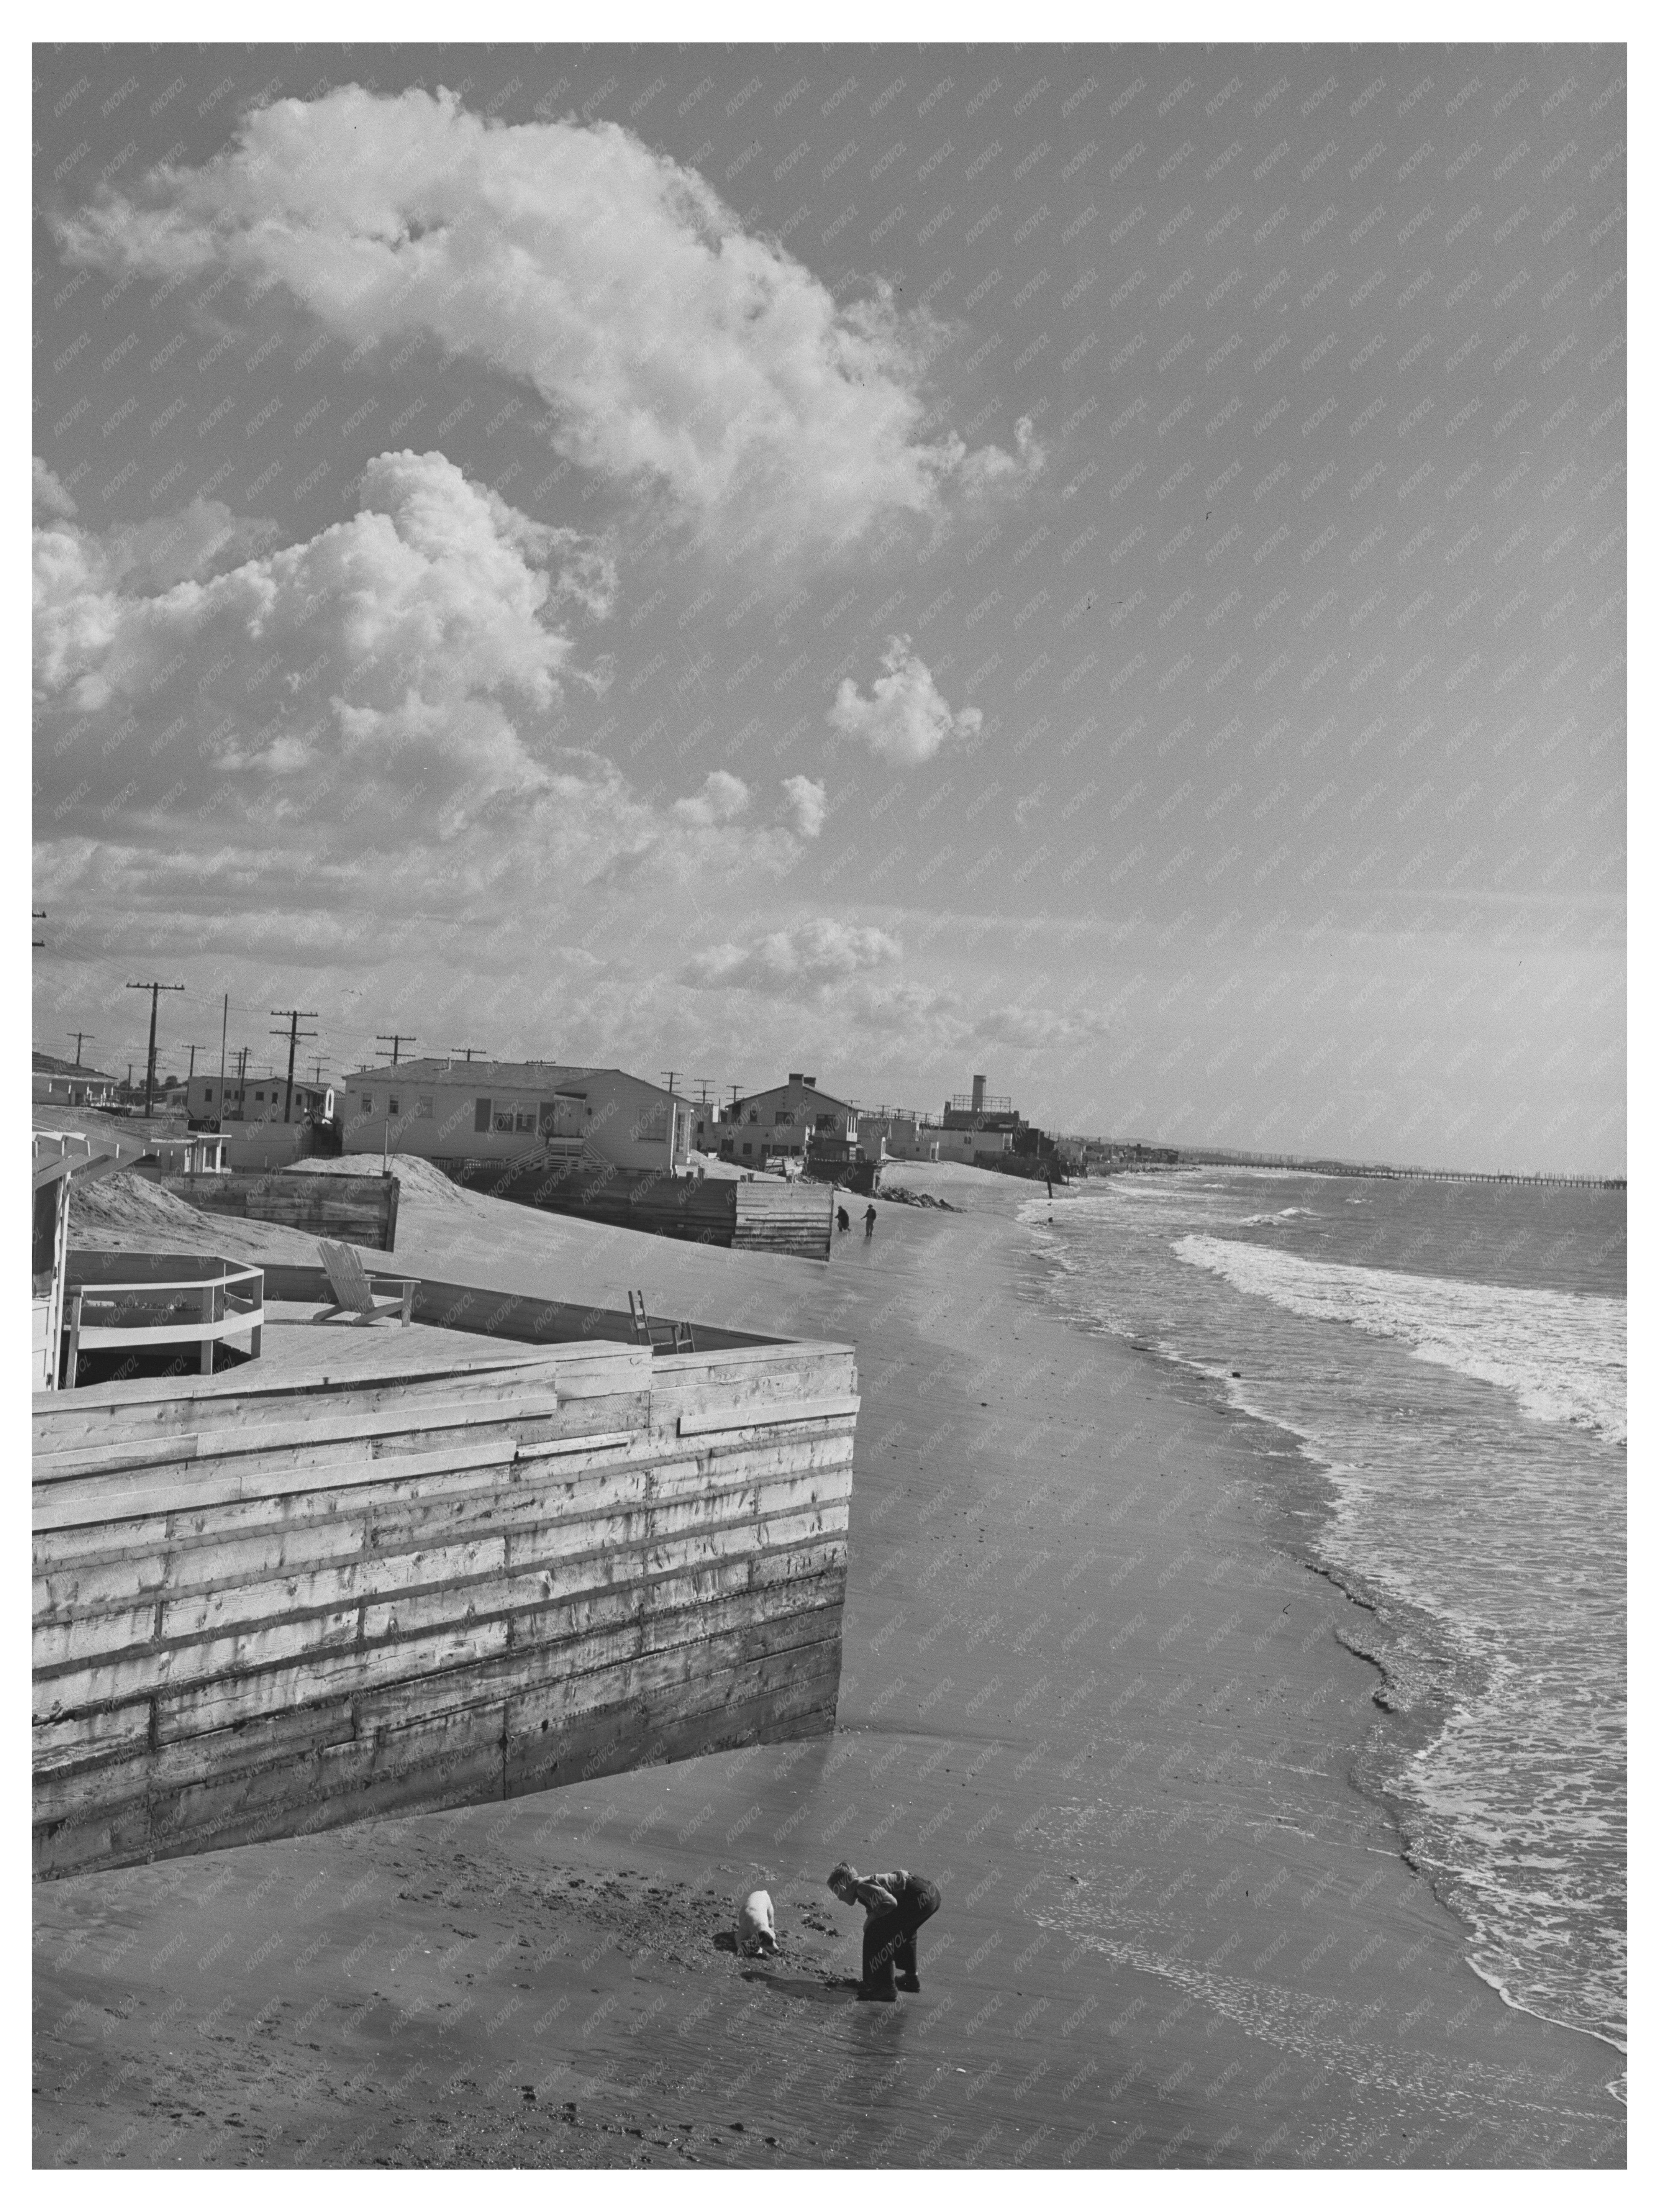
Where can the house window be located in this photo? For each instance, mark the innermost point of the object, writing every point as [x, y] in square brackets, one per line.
[825, 1122]
[747, 1149]
[524, 1120]
[369, 1101]
[754, 1113]
[481, 1117]
[501, 1120]
[392, 1103]
[260, 1096]
[208, 1094]
[783, 1119]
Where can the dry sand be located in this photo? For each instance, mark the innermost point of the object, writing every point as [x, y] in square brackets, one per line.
[1088, 1688]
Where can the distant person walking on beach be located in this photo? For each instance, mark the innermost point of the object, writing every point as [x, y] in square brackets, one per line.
[869, 1223]
[895, 1907]
[843, 1219]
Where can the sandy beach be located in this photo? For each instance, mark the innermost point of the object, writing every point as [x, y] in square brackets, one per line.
[1088, 1688]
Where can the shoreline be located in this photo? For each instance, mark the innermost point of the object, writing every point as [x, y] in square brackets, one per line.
[1084, 1687]
[1420, 1704]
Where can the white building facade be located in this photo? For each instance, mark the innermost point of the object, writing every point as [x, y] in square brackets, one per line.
[785, 1123]
[485, 1110]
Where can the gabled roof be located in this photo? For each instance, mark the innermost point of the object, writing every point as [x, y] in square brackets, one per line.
[807, 1090]
[495, 1074]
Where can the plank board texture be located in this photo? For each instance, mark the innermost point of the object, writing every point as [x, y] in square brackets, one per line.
[259, 1612]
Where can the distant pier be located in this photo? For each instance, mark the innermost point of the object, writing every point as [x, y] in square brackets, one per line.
[1127, 1160]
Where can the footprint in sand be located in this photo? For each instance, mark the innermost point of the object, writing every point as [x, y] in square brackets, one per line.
[802, 1990]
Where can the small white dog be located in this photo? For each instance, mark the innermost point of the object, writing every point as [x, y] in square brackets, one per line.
[757, 1937]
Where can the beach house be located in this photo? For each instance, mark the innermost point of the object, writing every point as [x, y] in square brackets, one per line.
[482, 1112]
[795, 1120]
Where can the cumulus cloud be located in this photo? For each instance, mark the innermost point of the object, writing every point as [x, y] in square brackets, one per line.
[668, 344]
[808, 804]
[992, 469]
[906, 718]
[722, 799]
[815, 954]
[405, 632]
[50, 499]
[371, 717]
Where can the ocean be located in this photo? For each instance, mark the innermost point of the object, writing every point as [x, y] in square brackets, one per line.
[1451, 1357]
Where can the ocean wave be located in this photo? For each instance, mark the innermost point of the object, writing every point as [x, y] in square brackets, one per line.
[1561, 1355]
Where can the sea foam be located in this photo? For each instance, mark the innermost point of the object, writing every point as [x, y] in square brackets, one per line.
[1562, 1355]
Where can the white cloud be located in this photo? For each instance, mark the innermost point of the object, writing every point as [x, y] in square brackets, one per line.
[808, 804]
[668, 344]
[722, 799]
[817, 954]
[906, 719]
[50, 499]
[362, 722]
[991, 468]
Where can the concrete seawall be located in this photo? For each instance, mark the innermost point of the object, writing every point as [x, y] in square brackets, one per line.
[265, 1605]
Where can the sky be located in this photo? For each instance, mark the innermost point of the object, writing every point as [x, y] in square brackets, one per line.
[1103, 568]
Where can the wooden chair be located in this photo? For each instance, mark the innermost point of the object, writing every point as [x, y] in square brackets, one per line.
[660, 1335]
[354, 1290]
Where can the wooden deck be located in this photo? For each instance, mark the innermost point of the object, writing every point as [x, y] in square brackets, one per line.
[422, 1567]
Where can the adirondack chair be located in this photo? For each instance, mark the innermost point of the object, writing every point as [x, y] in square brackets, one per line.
[354, 1290]
[660, 1335]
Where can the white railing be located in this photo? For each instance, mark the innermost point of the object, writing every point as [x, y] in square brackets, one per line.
[157, 1314]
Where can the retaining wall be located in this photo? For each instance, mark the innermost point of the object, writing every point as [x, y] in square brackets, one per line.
[349, 1209]
[264, 1609]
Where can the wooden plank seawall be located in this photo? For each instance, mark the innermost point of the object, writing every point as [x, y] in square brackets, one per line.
[765, 1215]
[263, 1610]
[350, 1209]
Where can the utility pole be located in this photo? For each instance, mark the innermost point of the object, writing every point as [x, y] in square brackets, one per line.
[736, 1089]
[670, 1076]
[224, 1038]
[394, 1039]
[319, 1065]
[295, 1016]
[156, 991]
[193, 1049]
[469, 1050]
[81, 1037]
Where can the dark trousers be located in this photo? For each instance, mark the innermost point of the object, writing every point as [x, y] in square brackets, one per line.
[889, 1938]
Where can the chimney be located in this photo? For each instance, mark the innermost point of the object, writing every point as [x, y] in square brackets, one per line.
[794, 1077]
[979, 1094]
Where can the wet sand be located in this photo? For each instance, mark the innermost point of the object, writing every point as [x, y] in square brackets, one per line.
[1088, 1688]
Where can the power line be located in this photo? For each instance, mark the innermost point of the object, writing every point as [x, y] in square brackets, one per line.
[156, 991]
[469, 1050]
[295, 1015]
